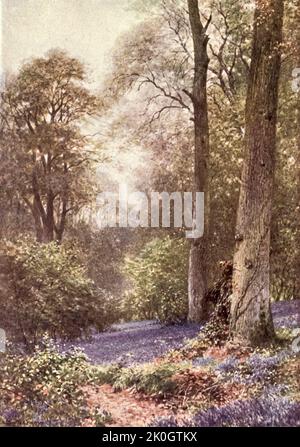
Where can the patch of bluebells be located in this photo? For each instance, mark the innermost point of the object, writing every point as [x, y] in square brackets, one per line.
[286, 314]
[204, 362]
[132, 344]
[162, 421]
[265, 411]
[228, 366]
[10, 416]
[271, 411]
[275, 390]
[143, 341]
[38, 418]
[258, 368]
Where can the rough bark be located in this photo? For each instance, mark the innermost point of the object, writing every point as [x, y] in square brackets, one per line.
[297, 285]
[297, 60]
[216, 329]
[251, 318]
[197, 282]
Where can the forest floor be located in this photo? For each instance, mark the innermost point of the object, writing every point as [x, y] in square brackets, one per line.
[150, 375]
[143, 341]
[135, 343]
[226, 381]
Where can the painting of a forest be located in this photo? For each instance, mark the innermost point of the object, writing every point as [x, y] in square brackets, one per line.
[150, 214]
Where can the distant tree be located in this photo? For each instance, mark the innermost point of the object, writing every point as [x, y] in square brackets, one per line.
[251, 317]
[45, 155]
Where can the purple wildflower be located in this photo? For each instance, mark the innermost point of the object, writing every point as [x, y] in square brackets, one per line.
[228, 366]
[10, 416]
[203, 361]
[265, 411]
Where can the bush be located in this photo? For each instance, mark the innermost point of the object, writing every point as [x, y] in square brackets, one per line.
[158, 278]
[48, 291]
[152, 379]
[44, 389]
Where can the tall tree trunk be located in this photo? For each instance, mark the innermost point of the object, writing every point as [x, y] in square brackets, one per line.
[251, 318]
[197, 280]
[297, 61]
[43, 221]
[297, 240]
[60, 227]
[38, 223]
[49, 223]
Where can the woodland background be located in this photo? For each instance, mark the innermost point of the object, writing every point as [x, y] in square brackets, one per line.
[196, 94]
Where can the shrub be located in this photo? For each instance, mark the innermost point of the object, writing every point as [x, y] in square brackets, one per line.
[49, 291]
[157, 379]
[153, 379]
[158, 277]
[44, 389]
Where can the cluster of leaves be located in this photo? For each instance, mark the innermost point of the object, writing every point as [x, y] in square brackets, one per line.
[158, 278]
[156, 380]
[49, 291]
[44, 389]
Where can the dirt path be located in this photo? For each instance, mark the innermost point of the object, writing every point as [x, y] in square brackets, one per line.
[127, 409]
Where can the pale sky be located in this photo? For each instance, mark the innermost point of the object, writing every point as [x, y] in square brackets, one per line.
[87, 29]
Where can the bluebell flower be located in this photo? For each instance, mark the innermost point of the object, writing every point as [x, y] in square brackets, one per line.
[265, 411]
[228, 366]
[10, 415]
[203, 361]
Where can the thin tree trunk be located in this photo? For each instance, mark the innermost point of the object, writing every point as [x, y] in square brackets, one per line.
[42, 218]
[59, 230]
[297, 248]
[49, 223]
[37, 222]
[197, 280]
[251, 318]
[297, 285]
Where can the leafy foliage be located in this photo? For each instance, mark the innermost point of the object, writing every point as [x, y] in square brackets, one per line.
[45, 155]
[159, 281]
[49, 292]
[153, 379]
[44, 389]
